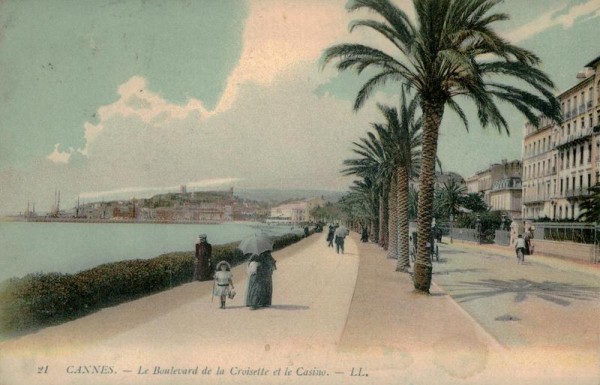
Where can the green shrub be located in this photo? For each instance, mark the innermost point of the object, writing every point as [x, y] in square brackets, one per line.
[43, 299]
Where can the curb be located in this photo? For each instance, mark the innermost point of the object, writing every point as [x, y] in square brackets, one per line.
[491, 339]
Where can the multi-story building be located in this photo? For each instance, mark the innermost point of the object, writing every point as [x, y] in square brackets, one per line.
[500, 186]
[539, 169]
[557, 178]
[506, 196]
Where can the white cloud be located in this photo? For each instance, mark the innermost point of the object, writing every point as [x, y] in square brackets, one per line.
[269, 130]
[278, 34]
[142, 192]
[58, 156]
[555, 17]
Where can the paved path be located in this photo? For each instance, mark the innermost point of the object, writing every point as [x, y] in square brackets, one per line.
[546, 311]
[335, 319]
[182, 328]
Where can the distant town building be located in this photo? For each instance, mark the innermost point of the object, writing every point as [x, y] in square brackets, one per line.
[295, 212]
[441, 179]
[563, 161]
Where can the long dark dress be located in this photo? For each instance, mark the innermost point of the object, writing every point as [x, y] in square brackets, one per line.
[203, 267]
[260, 283]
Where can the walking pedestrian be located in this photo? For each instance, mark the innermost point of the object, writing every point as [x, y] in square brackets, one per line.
[223, 282]
[260, 284]
[202, 263]
[365, 235]
[527, 238]
[520, 246]
[330, 236]
[340, 234]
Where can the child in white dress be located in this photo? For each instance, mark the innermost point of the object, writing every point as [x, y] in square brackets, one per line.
[223, 281]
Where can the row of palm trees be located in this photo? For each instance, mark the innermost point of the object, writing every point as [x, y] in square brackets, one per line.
[450, 53]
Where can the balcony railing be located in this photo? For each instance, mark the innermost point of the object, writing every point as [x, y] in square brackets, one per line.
[536, 198]
[567, 115]
[590, 104]
[574, 137]
[582, 108]
[578, 192]
[574, 112]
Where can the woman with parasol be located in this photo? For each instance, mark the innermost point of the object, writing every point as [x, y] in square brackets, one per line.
[260, 283]
[261, 265]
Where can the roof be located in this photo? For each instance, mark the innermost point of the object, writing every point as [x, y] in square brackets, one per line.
[291, 206]
[593, 62]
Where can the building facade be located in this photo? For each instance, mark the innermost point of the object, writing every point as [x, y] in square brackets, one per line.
[539, 169]
[558, 175]
[500, 186]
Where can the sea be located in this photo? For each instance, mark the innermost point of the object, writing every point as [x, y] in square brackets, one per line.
[42, 247]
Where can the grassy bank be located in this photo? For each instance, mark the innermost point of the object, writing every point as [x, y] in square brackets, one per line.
[44, 299]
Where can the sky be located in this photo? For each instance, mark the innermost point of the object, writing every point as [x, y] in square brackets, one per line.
[125, 99]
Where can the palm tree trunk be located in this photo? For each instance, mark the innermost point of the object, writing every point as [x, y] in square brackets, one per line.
[386, 221]
[393, 222]
[383, 220]
[402, 219]
[432, 113]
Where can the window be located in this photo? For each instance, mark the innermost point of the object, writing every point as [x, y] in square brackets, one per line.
[580, 182]
[589, 184]
[567, 162]
[581, 155]
[590, 153]
[561, 186]
[568, 128]
[574, 156]
[573, 183]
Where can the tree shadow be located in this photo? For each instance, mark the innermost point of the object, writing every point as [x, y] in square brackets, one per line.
[472, 270]
[290, 307]
[452, 251]
[559, 293]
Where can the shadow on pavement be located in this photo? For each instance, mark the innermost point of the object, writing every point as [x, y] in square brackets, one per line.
[556, 292]
[473, 270]
[449, 251]
[290, 307]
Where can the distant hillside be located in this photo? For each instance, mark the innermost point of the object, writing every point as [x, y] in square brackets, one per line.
[277, 196]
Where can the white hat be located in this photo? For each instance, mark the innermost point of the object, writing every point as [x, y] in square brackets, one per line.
[223, 263]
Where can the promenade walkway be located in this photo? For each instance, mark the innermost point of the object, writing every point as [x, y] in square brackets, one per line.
[335, 319]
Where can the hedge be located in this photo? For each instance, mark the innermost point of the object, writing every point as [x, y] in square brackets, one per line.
[42, 299]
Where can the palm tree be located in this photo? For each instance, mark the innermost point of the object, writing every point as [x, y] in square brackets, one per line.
[363, 201]
[372, 164]
[452, 194]
[451, 51]
[590, 207]
[403, 140]
[393, 154]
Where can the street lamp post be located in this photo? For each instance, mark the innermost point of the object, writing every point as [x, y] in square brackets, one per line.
[478, 227]
[451, 221]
